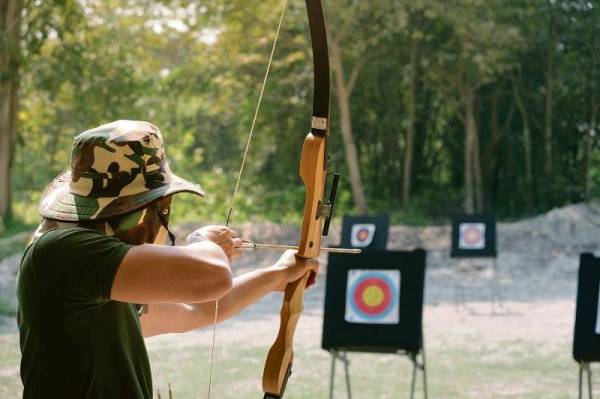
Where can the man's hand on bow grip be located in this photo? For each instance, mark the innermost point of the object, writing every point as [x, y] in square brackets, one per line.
[292, 268]
[223, 236]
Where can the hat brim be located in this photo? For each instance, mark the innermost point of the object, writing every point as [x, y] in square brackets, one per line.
[59, 204]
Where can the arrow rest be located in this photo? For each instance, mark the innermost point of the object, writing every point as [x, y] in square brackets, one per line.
[326, 210]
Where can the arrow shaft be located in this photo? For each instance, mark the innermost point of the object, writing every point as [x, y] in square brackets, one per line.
[247, 245]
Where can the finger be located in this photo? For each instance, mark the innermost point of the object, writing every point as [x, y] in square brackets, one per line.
[232, 233]
[226, 242]
[236, 250]
[312, 279]
[312, 264]
[225, 230]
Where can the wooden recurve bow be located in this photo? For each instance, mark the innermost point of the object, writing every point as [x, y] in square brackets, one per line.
[313, 170]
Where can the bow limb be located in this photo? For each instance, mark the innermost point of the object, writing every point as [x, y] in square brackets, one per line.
[313, 170]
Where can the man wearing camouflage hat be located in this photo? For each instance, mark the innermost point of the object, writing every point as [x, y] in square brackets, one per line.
[97, 257]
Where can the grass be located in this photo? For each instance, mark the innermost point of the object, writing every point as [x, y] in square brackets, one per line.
[465, 371]
[515, 368]
[10, 383]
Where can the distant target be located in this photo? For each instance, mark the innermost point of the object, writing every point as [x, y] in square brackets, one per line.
[372, 296]
[362, 235]
[471, 236]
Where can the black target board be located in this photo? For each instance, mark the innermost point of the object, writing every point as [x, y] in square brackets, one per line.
[586, 340]
[473, 236]
[374, 301]
[365, 232]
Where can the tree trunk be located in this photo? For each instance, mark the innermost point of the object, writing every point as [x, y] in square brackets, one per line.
[343, 91]
[410, 133]
[588, 142]
[469, 101]
[10, 26]
[477, 178]
[526, 142]
[490, 154]
[549, 94]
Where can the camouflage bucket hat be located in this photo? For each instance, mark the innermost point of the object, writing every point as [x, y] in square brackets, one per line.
[116, 168]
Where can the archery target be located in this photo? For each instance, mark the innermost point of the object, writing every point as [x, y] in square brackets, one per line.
[471, 236]
[362, 235]
[372, 296]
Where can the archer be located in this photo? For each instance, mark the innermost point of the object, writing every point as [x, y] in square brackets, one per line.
[95, 279]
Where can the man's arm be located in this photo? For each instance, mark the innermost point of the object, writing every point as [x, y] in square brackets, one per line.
[247, 289]
[198, 272]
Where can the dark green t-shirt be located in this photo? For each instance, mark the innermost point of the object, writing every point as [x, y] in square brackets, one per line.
[75, 342]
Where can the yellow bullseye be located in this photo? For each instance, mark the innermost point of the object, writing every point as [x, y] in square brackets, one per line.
[372, 296]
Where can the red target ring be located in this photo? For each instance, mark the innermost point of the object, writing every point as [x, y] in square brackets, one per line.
[362, 234]
[472, 235]
[370, 283]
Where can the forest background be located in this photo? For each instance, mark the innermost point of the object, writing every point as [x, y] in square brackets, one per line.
[438, 106]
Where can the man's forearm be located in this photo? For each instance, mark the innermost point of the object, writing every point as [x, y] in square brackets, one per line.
[247, 289]
[244, 291]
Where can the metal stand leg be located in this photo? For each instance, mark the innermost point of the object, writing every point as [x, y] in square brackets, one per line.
[424, 368]
[414, 376]
[585, 367]
[457, 294]
[335, 356]
[332, 378]
[346, 365]
[580, 380]
[589, 373]
[458, 288]
[418, 366]
[496, 289]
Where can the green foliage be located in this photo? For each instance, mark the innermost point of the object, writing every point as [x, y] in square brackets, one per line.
[6, 309]
[196, 71]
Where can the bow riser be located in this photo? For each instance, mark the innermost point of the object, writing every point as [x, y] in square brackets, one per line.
[278, 366]
[313, 172]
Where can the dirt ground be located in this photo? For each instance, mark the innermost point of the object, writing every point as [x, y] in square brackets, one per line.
[473, 349]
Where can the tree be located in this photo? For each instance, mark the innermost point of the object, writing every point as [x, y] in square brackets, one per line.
[24, 28]
[481, 39]
[350, 38]
[10, 62]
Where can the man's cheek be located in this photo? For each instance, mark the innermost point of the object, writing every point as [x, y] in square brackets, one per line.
[161, 236]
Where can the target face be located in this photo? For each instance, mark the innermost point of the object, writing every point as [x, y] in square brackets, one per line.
[372, 296]
[362, 235]
[471, 236]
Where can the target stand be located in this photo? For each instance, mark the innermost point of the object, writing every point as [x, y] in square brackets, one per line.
[374, 304]
[474, 237]
[586, 337]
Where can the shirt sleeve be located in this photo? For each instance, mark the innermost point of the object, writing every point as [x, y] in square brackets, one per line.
[78, 264]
